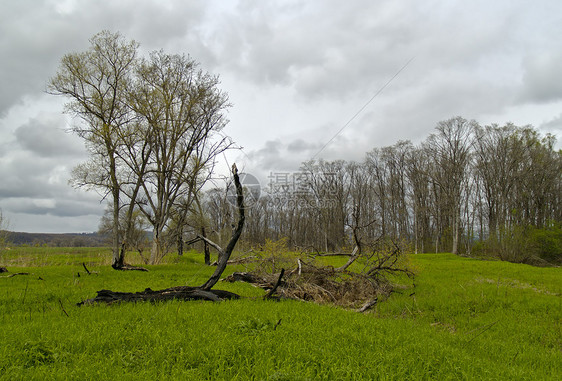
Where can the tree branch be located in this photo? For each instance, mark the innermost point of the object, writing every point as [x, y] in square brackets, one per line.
[225, 255]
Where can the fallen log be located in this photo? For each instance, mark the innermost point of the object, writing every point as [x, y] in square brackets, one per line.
[246, 277]
[148, 295]
[132, 268]
[13, 275]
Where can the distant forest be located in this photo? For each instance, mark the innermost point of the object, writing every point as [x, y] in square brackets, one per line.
[56, 240]
[467, 189]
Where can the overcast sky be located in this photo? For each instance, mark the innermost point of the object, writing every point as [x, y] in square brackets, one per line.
[296, 73]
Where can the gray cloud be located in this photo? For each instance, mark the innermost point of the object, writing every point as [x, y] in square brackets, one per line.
[541, 80]
[53, 207]
[36, 34]
[301, 146]
[46, 137]
[296, 71]
[27, 176]
[554, 126]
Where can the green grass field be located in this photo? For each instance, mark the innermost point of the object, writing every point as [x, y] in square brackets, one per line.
[466, 320]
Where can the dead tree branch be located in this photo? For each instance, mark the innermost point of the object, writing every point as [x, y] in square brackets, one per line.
[272, 291]
[369, 305]
[224, 255]
[203, 292]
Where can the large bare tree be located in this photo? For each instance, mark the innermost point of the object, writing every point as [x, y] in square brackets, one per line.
[96, 82]
[183, 110]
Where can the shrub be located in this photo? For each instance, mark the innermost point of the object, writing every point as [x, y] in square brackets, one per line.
[525, 244]
[546, 243]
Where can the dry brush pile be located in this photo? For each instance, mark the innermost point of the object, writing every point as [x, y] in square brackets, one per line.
[360, 283]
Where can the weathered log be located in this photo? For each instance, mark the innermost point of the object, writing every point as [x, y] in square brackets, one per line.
[13, 275]
[245, 277]
[179, 293]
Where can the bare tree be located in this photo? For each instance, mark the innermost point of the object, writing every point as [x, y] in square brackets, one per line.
[462, 184]
[184, 110]
[152, 127]
[96, 82]
[420, 197]
[450, 151]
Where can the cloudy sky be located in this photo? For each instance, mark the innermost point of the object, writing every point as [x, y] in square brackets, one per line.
[296, 71]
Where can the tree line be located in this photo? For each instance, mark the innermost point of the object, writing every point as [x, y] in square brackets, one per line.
[465, 189]
[153, 126]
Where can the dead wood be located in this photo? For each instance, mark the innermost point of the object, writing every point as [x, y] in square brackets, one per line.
[148, 295]
[13, 275]
[203, 292]
[369, 305]
[126, 267]
[224, 255]
[331, 255]
[62, 308]
[238, 261]
[272, 291]
[248, 278]
[132, 268]
[360, 289]
[3, 270]
[354, 255]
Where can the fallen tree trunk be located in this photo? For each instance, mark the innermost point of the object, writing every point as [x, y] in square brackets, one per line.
[178, 293]
[126, 267]
[13, 275]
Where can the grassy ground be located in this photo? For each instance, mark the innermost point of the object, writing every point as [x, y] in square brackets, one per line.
[466, 320]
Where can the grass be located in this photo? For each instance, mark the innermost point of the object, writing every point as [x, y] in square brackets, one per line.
[467, 319]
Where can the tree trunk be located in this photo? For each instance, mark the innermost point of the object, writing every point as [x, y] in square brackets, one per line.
[179, 242]
[118, 259]
[156, 245]
[224, 255]
[456, 231]
[180, 292]
[206, 247]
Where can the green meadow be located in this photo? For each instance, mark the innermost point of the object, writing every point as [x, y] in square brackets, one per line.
[464, 319]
